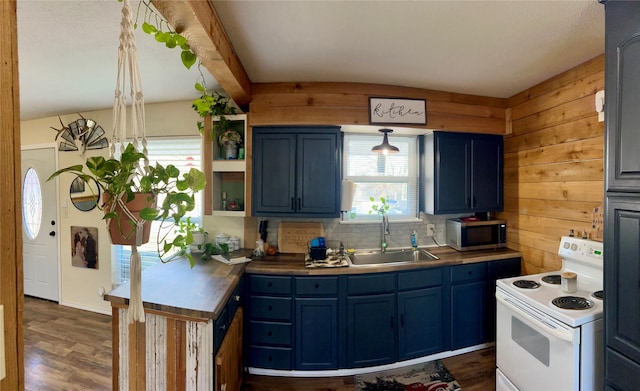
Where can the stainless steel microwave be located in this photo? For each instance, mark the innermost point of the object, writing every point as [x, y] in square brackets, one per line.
[465, 235]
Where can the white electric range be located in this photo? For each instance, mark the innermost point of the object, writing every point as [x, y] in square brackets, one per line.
[548, 339]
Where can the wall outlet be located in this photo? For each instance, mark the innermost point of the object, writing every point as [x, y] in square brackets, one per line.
[431, 230]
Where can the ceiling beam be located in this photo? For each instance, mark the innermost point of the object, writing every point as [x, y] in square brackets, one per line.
[198, 22]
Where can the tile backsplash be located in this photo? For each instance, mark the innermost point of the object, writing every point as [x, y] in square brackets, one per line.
[368, 235]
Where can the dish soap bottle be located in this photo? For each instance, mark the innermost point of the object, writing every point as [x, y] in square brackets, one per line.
[414, 241]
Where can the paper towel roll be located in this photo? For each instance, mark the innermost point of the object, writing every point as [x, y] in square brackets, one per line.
[348, 192]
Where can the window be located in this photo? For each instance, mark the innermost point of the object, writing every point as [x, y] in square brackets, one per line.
[31, 203]
[393, 176]
[183, 153]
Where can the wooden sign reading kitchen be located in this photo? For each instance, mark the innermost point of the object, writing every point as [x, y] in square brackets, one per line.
[397, 111]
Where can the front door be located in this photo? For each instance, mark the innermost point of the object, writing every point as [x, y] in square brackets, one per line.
[39, 224]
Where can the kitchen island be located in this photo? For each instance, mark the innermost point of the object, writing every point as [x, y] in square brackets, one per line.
[188, 312]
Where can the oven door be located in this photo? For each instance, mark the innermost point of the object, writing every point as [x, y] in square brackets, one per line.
[534, 351]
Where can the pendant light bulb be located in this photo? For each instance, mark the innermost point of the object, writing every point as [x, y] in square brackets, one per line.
[385, 148]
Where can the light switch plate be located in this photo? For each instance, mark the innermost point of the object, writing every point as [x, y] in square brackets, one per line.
[3, 371]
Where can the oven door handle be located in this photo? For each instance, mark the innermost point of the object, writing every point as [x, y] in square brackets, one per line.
[564, 335]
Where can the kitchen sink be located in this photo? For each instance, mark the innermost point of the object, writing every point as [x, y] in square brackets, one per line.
[374, 258]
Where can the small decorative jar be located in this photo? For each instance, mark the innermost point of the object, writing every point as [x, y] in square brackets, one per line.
[230, 150]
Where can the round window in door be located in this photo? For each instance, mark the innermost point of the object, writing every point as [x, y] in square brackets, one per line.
[31, 203]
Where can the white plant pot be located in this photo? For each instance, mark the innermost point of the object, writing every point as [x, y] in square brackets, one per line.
[199, 239]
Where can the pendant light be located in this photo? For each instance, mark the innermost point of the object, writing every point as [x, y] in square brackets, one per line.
[385, 148]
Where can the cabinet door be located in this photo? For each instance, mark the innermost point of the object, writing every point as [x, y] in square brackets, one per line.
[228, 372]
[622, 48]
[316, 333]
[318, 173]
[468, 314]
[452, 173]
[622, 276]
[371, 330]
[420, 323]
[486, 173]
[274, 171]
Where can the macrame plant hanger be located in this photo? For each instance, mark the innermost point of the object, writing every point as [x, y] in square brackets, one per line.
[128, 64]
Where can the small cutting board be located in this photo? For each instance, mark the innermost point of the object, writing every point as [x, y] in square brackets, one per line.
[293, 236]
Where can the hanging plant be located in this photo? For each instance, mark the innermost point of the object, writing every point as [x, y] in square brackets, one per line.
[213, 103]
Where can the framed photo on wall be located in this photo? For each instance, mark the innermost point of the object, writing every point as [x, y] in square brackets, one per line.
[389, 111]
[84, 247]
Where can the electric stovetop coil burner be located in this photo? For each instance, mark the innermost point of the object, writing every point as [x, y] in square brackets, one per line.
[526, 284]
[572, 303]
[554, 279]
[598, 295]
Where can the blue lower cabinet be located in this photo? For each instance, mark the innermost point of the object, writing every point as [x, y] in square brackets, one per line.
[371, 330]
[468, 310]
[421, 323]
[316, 333]
[270, 333]
[468, 305]
[270, 322]
[270, 357]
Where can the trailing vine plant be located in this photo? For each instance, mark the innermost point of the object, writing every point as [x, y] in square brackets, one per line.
[213, 103]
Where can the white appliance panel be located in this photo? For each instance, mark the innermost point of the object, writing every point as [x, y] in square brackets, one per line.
[536, 354]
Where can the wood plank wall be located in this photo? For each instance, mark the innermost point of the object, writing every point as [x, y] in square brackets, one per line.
[348, 104]
[553, 171]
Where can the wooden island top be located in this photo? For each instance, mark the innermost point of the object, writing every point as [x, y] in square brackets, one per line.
[176, 288]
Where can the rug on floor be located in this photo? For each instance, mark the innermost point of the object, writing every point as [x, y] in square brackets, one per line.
[429, 376]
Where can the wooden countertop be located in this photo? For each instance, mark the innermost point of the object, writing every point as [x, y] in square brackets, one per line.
[176, 288]
[201, 292]
[293, 264]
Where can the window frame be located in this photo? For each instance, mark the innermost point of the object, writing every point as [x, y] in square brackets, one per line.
[411, 180]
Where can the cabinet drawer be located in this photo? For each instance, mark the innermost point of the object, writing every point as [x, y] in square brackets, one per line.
[418, 279]
[271, 285]
[271, 308]
[270, 357]
[235, 301]
[471, 272]
[316, 286]
[220, 328]
[504, 268]
[270, 333]
[371, 283]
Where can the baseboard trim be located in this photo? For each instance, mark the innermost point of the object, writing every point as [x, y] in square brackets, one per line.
[358, 371]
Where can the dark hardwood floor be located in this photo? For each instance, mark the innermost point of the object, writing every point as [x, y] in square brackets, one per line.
[65, 348]
[474, 371]
[70, 349]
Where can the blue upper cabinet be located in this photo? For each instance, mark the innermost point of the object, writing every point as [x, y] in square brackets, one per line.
[462, 173]
[296, 171]
[622, 81]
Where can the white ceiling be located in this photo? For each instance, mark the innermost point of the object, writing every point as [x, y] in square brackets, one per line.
[68, 49]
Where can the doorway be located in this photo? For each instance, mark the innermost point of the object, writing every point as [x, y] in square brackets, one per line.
[39, 224]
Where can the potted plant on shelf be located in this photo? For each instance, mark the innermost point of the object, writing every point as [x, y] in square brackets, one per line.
[194, 234]
[229, 141]
[214, 105]
[165, 194]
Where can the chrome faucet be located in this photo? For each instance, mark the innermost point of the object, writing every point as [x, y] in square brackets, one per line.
[385, 232]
